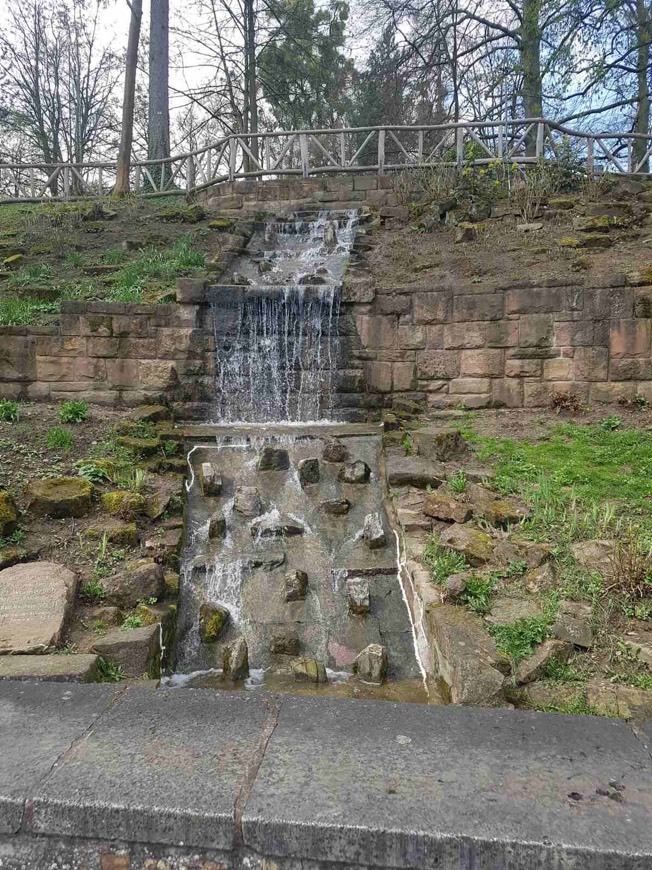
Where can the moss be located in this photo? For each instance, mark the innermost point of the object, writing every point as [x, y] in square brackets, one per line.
[59, 496]
[596, 240]
[212, 620]
[8, 514]
[192, 214]
[172, 581]
[124, 503]
[13, 260]
[139, 446]
[568, 242]
[222, 224]
[122, 534]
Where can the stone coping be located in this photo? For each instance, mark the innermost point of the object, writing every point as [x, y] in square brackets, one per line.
[316, 781]
[328, 429]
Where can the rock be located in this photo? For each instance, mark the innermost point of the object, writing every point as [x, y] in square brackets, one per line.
[165, 546]
[528, 228]
[8, 514]
[168, 498]
[505, 610]
[217, 525]
[247, 501]
[467, 658]
[275, 525]
[568, 242]
[36, 599]
[235, 660]
[474, 544]
[150, 414]
[534, 666]
[267, 559]
[466, 232]
[541, 578]
[371, 664]
[373, 533]
[53, 668]
[284, 643]
[308, 470]
[212, 620]
[543, 695]
[592, 224]
[210, 477]
[414, 471]
[309, 671]
[455, 585]
[172, 581]
[442, 506]
[596, 240]
[125, 504]
[443, 445]
[335, 451]
[357, 595]
[614, 699]
[355, 472]
[640, 642]
[137, 651]
[573, 623]
[105, 613]
[336, 506]
[119, 533]
[140, 446]
[296, 586]
[504, 512]
[508, 551]
[274, 459]
[596, 555]
[59, 497]
[140, 579]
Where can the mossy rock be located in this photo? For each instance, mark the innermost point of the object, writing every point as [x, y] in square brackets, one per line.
[150, 414]
[568, 242]
[39, 250]
[119, 533]
[59, 497]
[140, 446]
[562, 203]
[123, 503]
[94, 227]
[8, 514]
[222, 224]
[596, 240]
[172, 581]
[191, 214]
[594, 224]
[13, 260]
[309, 671]
[212, 620]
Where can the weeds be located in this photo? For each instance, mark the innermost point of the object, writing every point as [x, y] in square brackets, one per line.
[99, 626]
[457, 482]
[407, 444]
[106, 561]
[442, 562]
[131, 622]
[92, 472]
[518, 639]
[73, 412]
[9, 411]
[59, 439]
[92, 591]
[477, 593]
[128, 477]
[631, 564]
[108, 673]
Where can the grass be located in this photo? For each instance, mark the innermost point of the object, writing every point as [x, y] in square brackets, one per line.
[108, 673]
[477, 593]
[59, 439]
[106, 562]
[443, 562]
[9, 411]
[457, 482]
[518, 639]
[92, 591]
[131, 622]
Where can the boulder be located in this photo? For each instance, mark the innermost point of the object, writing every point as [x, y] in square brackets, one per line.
[535, 665]
[541, 578]
[140, 579]
[465, 232]
[373, 532]
[275, 525]
[309, 671]
[504, 512]
[76, 668]
[370, 665]
[443, 445]
[125, 504]
[284, 642]
[121, 534]
[455, 585]
[357, 595]
[543, 695]
[573, 623]
[336, 506]
[475, 545]
[414, 471]
[217, 525]
[36, 600]
[212, 621]
[355, 472]
[592, 224]
[235, 660]
[8, 514]
[442, 506]
[247, 501]
[506, 611]
[165, 546]
[596, 555]
[59, 497]
[168, 497]
[274, 459]
[140, 446]
[507, 551]
[335, 451]
[137, 650]
[296, 586]
[210, 478]
[150, 414]
[308, 471]
[467, 659]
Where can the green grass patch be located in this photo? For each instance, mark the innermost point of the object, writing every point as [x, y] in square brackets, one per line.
[9, 411]
[478, 592]
[73, 412]
[518, 639]
[59, 439]
[442, 562]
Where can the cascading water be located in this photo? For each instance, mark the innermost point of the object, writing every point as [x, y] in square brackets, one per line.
[276, 329]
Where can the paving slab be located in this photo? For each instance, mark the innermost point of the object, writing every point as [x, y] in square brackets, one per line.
[162, 766]
[78, 668]
[38, 723]
[386, 785]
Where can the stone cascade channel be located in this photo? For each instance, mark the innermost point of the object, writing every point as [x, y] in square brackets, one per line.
[291, 551]
[276, 324]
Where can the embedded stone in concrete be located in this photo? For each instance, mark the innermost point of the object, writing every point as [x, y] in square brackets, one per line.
[335, 451]
[59, 497]
[442, 506]
[355, 472]
[211, 479]
[212, 621]
[296, 586]
[308, 470]
[36, 599]
[217, 525]
[475, 545]
[371, 665]
[8, 514]
[573, 623]
[309, 671]
[284, 642]
[275, 525]
[140, 579]
[235, 660]
[357, 594]
[247, 501]
[336, 506]
[414, 471]
[78, 668]
[274, 459]
[373, 533]
[136, 650]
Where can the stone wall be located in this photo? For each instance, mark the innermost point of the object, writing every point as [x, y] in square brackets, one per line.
[512, 345]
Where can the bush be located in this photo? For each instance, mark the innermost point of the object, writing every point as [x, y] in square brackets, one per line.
[59, 439]
[9, 411]
[73, 412]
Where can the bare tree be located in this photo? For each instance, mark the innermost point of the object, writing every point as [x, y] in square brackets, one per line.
[159, 66]
[131, 67]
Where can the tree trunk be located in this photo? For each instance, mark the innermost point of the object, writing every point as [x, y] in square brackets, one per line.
[530, 51]
[251, 83]
[158, 129]
[126, 138]
[642, 122]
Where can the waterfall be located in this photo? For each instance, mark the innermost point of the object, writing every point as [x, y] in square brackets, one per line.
[276, 328]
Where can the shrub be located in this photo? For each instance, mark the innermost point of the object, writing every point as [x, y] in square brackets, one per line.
[59, 439]
[632, 567]
[9, 411]
[73, 412]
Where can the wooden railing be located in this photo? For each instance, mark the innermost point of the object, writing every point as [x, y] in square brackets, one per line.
[307, 153]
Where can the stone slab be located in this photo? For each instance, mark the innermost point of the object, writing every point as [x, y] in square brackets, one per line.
[385, 785]
[38, 723]
[162, 766]
[79, 668]
[35, 599]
